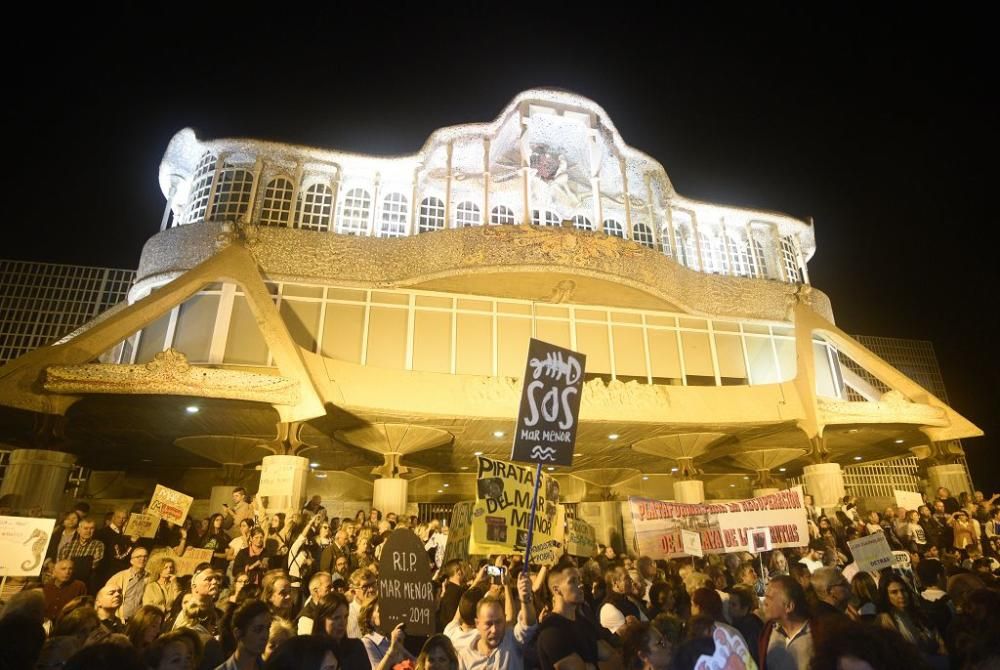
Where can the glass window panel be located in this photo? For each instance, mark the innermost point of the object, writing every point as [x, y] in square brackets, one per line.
[245, 344]
[697, 354]
[432, 341]
[433, 301]
[825, 383]
[668, 321]
[630, 354]
[756, 328]
[195, 324]
[786, 358]
[783, 330]
[761, 357]
[390, 298]
[513, 308]
[302, 291]
[730, 355]
[345, 294]
[302, 319]
[476, 305]
[592, 340]
[545, 310]
[664, 361]
[700, 324]
[151, 339]
[592, 315]
[726, 326]
[626, 317]
[342, 331]
[513, 347]
[475, 345]
[556, 332]
[387, 337]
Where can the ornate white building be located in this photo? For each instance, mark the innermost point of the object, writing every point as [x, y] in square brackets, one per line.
[370, 316]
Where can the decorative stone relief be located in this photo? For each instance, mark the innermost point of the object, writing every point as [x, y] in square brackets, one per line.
[170, 373]
[891, 408]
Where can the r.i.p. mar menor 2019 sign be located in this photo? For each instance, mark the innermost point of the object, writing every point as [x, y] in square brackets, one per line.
[545, 432]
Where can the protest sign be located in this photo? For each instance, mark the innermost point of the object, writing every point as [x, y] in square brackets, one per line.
[277, 479]
[691, 543]
[581, 538]
[545, 431]
[23, 541]
[503, 506]
[459, 532]
[760, 540]
[170, 505]
[141, 525]
[723, 526]
[908, 500]
[871, 553]
[191, 559]
[406, 594]
[731, 652]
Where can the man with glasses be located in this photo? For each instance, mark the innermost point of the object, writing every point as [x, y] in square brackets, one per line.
[132, 583]
[364, 587]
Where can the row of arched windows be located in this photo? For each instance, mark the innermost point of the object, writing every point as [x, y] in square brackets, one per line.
[711, 249]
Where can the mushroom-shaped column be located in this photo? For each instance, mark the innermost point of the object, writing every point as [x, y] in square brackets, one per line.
[761, 461]
[605, 479]
[684, 449]
[393, 441]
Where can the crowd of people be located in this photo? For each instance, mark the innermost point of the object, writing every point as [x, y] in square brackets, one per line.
[301, 591]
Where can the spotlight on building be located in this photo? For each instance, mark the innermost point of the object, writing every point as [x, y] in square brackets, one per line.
[782, 469]
[551, 468]
[477, 453]
[900, 441]
[192, 409]
[498, 433]
[445, 485]
[857, 458]
[613, 436]
[645, 478]
[314, 465]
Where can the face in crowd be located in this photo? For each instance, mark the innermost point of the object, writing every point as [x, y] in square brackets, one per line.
[491, 622]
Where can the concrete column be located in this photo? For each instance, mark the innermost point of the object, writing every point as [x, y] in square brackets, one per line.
[764, 492]
[220, 495]
[952, 476]
[390, 495]
[689, 491]
[36, 479]
[825, 483]
[294, 467]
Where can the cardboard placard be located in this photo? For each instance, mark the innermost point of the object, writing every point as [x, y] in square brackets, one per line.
[23, 541]
[170, 504]
[872, 552]
[503, 507]
[191, 559]
[141, 525]
[908, 500]
[550, 405]
[406, 594]
[581, 538]
[277, 479]
[722, 526]
[691, 541]
[459, 532]
[731, 653]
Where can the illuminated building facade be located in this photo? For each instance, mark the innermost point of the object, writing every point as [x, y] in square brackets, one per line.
[360, 323]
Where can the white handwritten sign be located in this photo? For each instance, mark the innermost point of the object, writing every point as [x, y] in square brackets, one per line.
[23, 541]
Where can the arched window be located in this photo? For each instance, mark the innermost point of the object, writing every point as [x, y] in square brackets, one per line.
[395, 212]
[467, 214]
[315, 208]
[790, 258]
[687, 248]
[665, 240]
[277, 202]
[502, 215]
[232, 194]
[643, 235]
[201, 187]
[545, 218]
[760, 265]
[612, 227]
[580, 222]
[713, 254]
[431, 215]
[354, 211]
[740, 252]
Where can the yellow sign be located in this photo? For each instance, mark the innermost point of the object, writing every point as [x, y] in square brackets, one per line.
[141, 525]
[502, 511]
[170, 504]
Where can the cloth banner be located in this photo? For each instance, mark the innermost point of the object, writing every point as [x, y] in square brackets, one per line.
[503, 507]
[23, 541]
[170, 504]
[724, 527]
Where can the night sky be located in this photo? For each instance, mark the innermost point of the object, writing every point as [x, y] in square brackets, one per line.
[880, 126]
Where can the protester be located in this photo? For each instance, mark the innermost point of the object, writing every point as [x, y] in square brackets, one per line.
[786, 643]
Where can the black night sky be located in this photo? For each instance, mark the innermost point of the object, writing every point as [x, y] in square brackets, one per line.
[879, 124]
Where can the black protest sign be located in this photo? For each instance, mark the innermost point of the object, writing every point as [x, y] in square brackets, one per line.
[550, 405]
[405, 592]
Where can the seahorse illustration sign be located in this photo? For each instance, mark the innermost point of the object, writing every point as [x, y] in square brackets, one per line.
[550, 405]
[23, 541]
